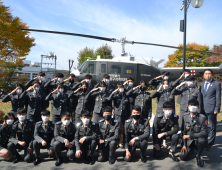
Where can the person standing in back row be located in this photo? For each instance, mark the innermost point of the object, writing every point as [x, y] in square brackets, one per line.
[211, 92]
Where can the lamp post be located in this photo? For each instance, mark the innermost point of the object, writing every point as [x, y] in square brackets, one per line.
[185, 6]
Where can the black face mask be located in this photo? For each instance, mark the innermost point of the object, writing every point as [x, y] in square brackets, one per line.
[143, 88]
[136, 117]
[71, 81]
[107, 117]
[84, 89]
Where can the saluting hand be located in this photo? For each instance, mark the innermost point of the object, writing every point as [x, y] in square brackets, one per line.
[126, 82]
[14, 90]
[54, 79]
[4, 124]
[56, 90]
[182, 76]
[30, 88]
[161, 76]
[161, 86]
[94, 89]
[116, 90]
[37, 78]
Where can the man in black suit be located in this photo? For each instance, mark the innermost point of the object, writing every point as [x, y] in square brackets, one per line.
[211, 91]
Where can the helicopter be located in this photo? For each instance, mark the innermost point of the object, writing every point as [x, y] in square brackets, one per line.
[125, 66]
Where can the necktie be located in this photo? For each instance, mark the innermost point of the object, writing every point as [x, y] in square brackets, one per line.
[45, 126]
[22, 125]
[205, 88]
[136, 125]
[85, 129]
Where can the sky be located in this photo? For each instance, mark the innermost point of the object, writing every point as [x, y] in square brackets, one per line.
[156, 21]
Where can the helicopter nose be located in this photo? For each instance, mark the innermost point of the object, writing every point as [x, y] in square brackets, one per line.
[77, 73]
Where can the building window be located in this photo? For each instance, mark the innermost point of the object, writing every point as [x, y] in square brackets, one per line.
[103, 68]
[129, 70]
[116, 69]
[34, 75]
[28, 75]
[89, 68]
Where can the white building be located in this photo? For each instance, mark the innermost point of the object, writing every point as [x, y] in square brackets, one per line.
[32, 70]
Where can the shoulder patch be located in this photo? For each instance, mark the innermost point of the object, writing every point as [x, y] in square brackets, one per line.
[30, 120]
[78, 124]
[58, 122]
[101, 120]
[39, 122]
[93, 123]
[160, 115]
[74, 123]
[115, 121]
[175, 116]
[186, 113]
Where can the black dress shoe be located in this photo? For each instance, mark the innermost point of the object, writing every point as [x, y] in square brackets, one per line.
[90, 160]
[200, 162]
[111, 160]
[58, 162]
[172, 156]
[17, 159]
[37, 161]
[143, 159]
[209, 147]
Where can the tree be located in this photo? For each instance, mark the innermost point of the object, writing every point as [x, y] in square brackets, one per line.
[86, 53]
[193, 59]
[216, 60]
[104, 51]
[15, 44]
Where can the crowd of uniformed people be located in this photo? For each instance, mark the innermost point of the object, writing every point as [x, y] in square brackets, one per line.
[104, 117]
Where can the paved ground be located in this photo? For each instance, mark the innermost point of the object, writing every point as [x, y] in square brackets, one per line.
[213, 160]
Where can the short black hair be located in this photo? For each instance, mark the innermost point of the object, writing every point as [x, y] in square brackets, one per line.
[166, 73]
[88, 76]
[9, 115]
[72, 75]
[65, 114]
[107, 109]
[106, 76]
[142, 81]
[209, 70]
[59, 75]
[119, 84]
[21, 110]
[45, 112]
[60, 85]
[19, 85]
[186, 70]
[84, 83]
[168, 105]
[189, 78]
[137, 108]
[130, 78]
[193, 102]
[85, 113]
[41, 74]
[36, 82]
[102, 83]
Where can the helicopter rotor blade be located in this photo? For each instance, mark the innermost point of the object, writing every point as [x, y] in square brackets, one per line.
[209, 53]
[74, 34]
[115, 40]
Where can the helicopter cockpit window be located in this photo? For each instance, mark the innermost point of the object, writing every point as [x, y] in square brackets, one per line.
[116, 69]
[129, 70]
[80, 68]
[103, 68]
[89, 68]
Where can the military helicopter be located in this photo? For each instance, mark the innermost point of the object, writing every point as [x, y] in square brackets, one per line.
[125, 66]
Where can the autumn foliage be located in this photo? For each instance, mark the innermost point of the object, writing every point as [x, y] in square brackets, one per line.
[193, 59]
[216, 59]
[15, 44]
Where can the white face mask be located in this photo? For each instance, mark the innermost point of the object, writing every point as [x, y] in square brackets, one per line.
[88, 81]
[165, 87]
[165, 78]
[66, 122]
[121, 90]
[22, 118]
[189, 84]
[59, 80]
[193, 109]
[102, 89]
[107, 81]
[9, 122]
[85, 121]
[42, 78]
[185, 75]
[18, 91]
[61, 90]
[130, 84]
[168, 113]
[45, 118]
[36, 89]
